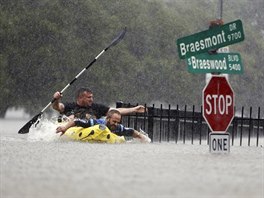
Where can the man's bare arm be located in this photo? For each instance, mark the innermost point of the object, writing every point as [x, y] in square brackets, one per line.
[57, 105]
[137, 109]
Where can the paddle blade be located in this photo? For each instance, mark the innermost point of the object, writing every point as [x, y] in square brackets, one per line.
[26, 127]
[118, 38]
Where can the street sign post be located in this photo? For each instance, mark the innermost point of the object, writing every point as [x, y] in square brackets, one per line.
[229, 63]
[218, 104]
[216, 37]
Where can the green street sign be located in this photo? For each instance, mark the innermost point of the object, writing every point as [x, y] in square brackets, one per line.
[213, 38]
[229, 63]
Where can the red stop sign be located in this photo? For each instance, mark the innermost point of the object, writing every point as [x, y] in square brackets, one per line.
[218, 104]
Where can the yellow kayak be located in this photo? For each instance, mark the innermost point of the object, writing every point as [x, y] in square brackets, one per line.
[95, 134]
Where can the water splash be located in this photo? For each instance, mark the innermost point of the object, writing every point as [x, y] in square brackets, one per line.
[45, 130]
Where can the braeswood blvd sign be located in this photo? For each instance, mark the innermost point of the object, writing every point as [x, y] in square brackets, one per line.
[229, 63]
[213, 38]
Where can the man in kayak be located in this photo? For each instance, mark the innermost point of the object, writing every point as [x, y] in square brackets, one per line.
[84, 105]
[112, 121]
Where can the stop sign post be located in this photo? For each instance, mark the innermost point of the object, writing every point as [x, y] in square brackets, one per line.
[218, 104]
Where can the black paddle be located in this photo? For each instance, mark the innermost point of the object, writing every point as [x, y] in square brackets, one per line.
[25, 128]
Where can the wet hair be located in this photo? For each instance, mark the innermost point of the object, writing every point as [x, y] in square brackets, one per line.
[111, 112]
[81, 91]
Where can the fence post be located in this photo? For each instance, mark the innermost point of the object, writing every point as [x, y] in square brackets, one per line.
[176, 124]
[136, 120]
[160, 123]
[208, 133]
[128, 117]
[144, 119]
[201, 124]
[168, 137]
[258, 126]
[193, 121]
[249, 127]
[184, 123]
[151, 122]
[241, 125]
[234, 127]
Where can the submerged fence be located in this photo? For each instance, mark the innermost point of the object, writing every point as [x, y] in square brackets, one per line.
[185, 125]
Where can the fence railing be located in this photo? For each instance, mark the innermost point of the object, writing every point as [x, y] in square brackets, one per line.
[188, 125]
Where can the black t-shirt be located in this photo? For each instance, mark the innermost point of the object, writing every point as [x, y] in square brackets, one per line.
[96, 110]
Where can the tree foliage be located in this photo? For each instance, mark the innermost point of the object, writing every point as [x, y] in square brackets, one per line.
[45, 43]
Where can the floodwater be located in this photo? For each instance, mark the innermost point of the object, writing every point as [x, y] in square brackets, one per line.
[41, 165]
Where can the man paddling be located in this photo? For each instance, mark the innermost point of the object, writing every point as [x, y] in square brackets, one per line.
[112, 121]
[84, 105]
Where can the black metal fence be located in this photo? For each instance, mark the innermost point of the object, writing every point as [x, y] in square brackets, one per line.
[188, 125]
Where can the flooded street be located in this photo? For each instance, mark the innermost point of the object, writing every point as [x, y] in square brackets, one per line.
[52, 167]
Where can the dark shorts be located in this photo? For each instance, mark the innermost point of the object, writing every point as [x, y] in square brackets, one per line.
[125, 132]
